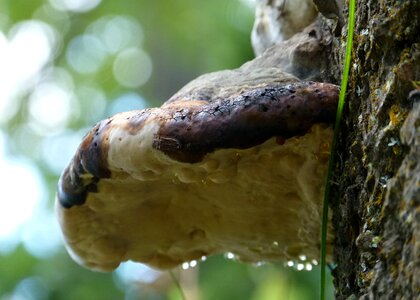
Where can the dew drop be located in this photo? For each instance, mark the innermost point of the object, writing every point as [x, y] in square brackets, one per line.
[259, 264]
[185, 266]
[314, 262]
[383, 181]
[290, 263]
[230, 255]
[308, 267]
[193, 263]
[302, 257]
[300, 267]
[393, 141]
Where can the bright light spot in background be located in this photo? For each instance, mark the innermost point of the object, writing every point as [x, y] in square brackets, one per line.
[50, 107]
[117, 32]
[85, 54]
[93, 102]
[132, 67]
[75, 5]
[20, 194]
[31, 288]
[57, 150]
[130, 272]
[30, 45]
[249, 3]
[60, 18]
[22, 56]
[126, 102]
[41, 235]
[26, 60]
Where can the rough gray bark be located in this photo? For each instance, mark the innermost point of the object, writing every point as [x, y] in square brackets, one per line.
[376, 187]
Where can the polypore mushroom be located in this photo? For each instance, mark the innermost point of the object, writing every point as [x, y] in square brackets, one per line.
[234, 162]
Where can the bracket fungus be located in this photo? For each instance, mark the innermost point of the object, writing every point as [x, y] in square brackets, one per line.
[233, 162]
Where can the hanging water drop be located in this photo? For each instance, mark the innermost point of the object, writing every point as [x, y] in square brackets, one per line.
[302, 257]
[193, 263]
[230, 255]
[185, 266]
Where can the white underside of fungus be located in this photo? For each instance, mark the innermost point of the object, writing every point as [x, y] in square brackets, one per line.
[261, 203]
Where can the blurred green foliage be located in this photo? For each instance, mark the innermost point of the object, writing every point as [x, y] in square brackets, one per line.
[182, 39]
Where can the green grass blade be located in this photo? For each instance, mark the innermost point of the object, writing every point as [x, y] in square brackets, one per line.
[331, 163]
[177, 285]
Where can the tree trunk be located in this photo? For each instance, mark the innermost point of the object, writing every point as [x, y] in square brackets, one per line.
[376, 186]
[376, 192]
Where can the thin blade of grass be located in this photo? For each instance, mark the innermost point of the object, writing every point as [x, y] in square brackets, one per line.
[331, 163]
[177, 284]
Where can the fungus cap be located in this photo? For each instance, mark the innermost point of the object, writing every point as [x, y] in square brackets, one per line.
[215, 169]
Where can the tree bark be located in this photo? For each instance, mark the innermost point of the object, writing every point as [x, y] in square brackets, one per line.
[376, 194]
[376, 184]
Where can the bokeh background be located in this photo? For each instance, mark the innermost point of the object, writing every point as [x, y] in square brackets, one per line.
[65, 65]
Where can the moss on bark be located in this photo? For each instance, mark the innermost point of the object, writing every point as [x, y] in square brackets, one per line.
[376, 195]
